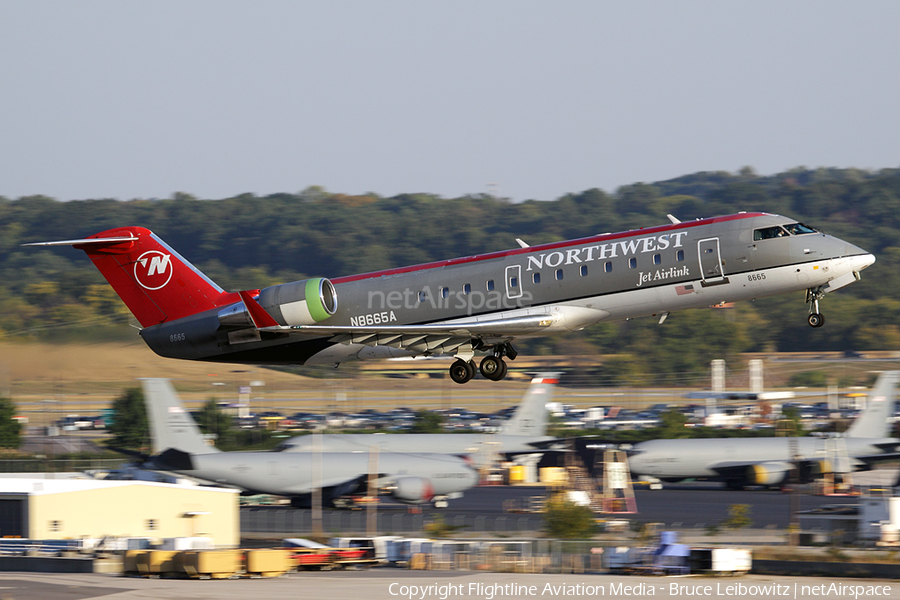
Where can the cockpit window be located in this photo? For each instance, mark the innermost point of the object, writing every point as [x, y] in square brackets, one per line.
[799, 229]
[768, 233]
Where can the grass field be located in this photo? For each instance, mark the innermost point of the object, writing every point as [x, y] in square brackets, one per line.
[49, 380]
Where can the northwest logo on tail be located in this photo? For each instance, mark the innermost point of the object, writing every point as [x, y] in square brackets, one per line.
[153, 269]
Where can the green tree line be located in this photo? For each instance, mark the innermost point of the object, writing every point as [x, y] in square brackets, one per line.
[252, 241]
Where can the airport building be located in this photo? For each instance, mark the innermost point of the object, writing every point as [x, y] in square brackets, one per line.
[43, 509]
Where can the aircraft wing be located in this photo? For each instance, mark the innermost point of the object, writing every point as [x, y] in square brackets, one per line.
[432, 337]
[427, 337]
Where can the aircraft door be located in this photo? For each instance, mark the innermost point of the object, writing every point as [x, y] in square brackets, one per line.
[514, 281]
[711, 262]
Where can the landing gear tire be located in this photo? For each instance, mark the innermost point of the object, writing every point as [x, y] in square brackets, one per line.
[815, 319]
[493, 368]
[462, 371]
[503, 370]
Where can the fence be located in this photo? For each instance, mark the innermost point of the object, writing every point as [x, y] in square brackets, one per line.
[57, 465]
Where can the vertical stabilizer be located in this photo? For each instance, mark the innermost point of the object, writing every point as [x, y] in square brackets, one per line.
[156, 283]
[171, 426]
[873, 421]
[530, 419]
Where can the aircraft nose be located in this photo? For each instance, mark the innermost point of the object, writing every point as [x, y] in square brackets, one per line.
[858, 257]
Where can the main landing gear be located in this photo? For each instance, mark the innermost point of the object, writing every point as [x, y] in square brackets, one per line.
[815, 318]
[492, 367]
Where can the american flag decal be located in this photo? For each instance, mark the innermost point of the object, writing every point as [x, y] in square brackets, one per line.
[681, 290]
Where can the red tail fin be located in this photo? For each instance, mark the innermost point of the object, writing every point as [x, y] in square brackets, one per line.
[153, 280]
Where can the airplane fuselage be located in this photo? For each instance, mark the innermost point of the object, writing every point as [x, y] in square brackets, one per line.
[572, 284]
[746, 460]
[292, 474]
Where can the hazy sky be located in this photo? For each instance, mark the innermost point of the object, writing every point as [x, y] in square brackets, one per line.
[126, 99]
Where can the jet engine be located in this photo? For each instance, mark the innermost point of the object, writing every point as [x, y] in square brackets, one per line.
[303, 302]
[300, 303]
[412, 490]
[768, 473]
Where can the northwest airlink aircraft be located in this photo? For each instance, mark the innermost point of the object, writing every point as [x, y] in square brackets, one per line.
[474, 304]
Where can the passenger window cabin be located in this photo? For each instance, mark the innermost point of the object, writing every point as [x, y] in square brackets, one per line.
[536, 278]
[584, 270]
[559, 274]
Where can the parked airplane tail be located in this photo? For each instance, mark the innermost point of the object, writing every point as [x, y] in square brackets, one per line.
[872, 422]
[153, 280]
[171, 426]
[530, 418]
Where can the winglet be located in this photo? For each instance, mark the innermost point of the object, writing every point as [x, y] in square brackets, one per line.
[257, 313]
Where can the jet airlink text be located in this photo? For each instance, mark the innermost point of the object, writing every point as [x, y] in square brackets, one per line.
[661, 274]
[604, 251]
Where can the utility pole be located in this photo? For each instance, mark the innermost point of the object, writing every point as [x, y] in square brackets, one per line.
[317, 484]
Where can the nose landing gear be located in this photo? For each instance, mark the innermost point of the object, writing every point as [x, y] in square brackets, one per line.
[815, 318]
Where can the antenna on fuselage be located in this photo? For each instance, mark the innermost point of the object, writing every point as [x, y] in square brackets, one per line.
[673, 219]
[522, 244]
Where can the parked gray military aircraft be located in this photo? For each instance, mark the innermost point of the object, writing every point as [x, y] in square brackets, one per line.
[179, 447]
[768, 461]
[524, 433]
[474, 304]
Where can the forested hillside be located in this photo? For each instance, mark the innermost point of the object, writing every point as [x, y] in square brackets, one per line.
[249, 241]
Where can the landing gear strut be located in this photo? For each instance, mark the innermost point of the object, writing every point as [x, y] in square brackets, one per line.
[815, 318]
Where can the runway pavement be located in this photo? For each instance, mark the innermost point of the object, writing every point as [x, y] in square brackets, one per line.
[398, 584]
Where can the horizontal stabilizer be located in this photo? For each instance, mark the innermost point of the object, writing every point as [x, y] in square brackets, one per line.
[86, 241]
